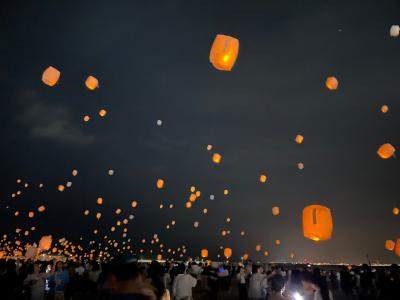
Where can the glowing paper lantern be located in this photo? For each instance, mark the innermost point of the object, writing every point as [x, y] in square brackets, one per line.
[245, 256]
[224, 52]
[86, 212]
[74, 172]
[86, 118]
[332, 83]
[394, 30]
[266, 253]
[45, 242]
[100, 201]
[160, 183]
[226, 192]
[31, 252]
[198, 193]
[384, 109]
[98, 216]
[61, 188]
[209, 147]
[386, 151]
[118, 211]
[275, 210]
[204, 253]
[258, 248]
[291, 255]
[216, 158]
[134, 204]
[41, 208]
[205, 211]
[277, 242]
[389, 245]
[396, 211]
[227, 253]
[397, 247]
[263, 178]
[317, 223]
[188, 204]
[196, 224]
[31, 214]
[300, 166]
[92, 83]
[51, 76]
[242, 233]
[192, 197]
[299, 139]
[102, 113]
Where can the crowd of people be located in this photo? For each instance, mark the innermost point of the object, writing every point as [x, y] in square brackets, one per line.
[126, 278]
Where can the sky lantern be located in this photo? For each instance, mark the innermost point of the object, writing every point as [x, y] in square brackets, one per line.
[196, 224]
[160, 183]
[192, 197]
[216, 158]
[209, 147]
[204, 253]
[134, 204]
[224, 52]
[205, 211]
[291, 255]
[192, 189]
[31, 214]
[118, 211]
[86, 212]
[102, 113]
[74, 172]
[258, 247]
[61, 188]
[263, 178]
[98, 216]
[245, 256]
[227, 253]
[384, 109]
[277, 242]
[51, 76]
[99, 200]
[198, 193]
[317, 223]
[396, 211]
[45, 242]
[300, 166]
[226, 192]
[394, 30]
[386, 151]
[92, 83]
[332, 83]
[86, 118]
[275, 210]
[16, 213]
[188, 204]
[242, 233]
[299, 139]
[266, 253]
[41, 208]
[389, 245]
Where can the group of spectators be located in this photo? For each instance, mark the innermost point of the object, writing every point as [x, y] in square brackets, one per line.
[126, 278]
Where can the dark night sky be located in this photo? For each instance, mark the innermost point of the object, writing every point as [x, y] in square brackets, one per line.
[151, 58]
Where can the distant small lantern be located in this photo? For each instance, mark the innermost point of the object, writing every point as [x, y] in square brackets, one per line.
[277, 242]
[386, 151]
[263, 178]
[227, 253]
[217, 158]
[209, 147]
[389, 245]
[275, 211]
[332, 83]
[258, 247]
[92, 83]
[224, 52]
[384, 109]
[86, 118]
[299, 139]
[396, 211]
[99, 200]
[134, 204]
[204, 253]
[266, 253]
[102, 113]
[160, 183]
[394, 30]
[51, 76]
[61, 188]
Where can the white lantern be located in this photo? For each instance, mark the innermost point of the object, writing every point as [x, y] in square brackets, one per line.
[395, 31]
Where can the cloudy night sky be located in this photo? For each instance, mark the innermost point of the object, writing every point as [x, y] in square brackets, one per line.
[152, 62]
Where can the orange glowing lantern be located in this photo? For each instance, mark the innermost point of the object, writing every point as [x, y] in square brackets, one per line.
[299, 139]
[224, 52]
[61, 188]
[209, 147]
[396, 211]
[92, 83]
[45, 242]
[332, 83]
[275, 210]
[160, 183]
[263, 178]
[216, 158]
[386, 151]
[389, 245]
[134, 204]
[204, 253]
[86, 118]
[41, 208]
[258, 248]
[31, 214]
[188, 204]
[245, 256]
[102, 113]
[100, 201]
[397, 247]
[277, 242]
[317, 223]
[384, 109]
[227, 253]
[51, 76]
[266, 253]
